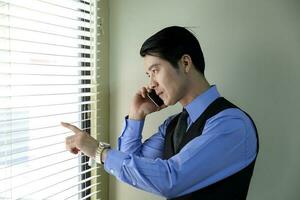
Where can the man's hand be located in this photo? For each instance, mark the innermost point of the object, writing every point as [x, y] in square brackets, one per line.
[141, 105]
[80, 141]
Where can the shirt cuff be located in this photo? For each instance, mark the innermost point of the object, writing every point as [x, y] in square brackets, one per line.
[133, 126]
[132, 129]
[114, 162]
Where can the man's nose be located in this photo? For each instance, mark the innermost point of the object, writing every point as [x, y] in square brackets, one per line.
[153, 83]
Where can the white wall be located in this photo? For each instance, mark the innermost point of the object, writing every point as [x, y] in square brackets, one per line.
[252, 51]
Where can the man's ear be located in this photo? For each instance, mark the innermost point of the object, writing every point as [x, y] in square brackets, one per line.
[186, 61]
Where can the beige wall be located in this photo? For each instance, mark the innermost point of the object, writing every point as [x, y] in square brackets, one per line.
[252, 51]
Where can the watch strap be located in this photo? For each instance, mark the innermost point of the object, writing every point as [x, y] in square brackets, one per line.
[102, 146]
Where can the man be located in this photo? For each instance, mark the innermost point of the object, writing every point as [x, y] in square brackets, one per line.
[206, 152]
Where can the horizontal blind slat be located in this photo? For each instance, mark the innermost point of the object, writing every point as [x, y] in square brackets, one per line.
[8, 101]
[45, 10]
[7, 108]
[16, 94]
[73, 26]
[33, 159]
[84, 37]
[74, 41]
[44, 80]
[82, 182]
[48, 176]
[24, 151]
[36, 169]
[22, 57]
[13, 74]
[59, 192]
[65, 157]
[56, 184]
[90, 195]
[16, 140]
[10, 44]
[83, 190]
[6, 118]
[28, 70]
[72, 5]
[4, 121]
[21, 131]
[23, 89]
[44, 116]
[80, 65]
[52, 54]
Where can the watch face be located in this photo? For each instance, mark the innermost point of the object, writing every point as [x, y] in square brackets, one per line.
[104, 145]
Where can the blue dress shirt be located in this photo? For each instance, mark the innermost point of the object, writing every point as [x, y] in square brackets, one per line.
[227, 145]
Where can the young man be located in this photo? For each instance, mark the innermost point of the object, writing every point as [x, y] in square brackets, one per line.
[206, 152]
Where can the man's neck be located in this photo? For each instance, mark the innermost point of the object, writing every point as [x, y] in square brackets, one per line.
[196, 88]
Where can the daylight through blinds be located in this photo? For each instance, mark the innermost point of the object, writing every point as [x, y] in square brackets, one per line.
[47, 75]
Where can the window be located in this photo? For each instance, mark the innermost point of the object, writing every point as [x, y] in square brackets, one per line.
[47, 75]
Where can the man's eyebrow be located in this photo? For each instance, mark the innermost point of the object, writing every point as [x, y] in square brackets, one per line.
[151, 66]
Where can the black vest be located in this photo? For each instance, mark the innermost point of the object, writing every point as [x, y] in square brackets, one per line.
[234, 187]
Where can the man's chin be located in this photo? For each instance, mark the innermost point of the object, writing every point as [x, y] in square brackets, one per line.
[169, 103]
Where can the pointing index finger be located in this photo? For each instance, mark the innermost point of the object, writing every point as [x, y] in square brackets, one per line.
[71, 127]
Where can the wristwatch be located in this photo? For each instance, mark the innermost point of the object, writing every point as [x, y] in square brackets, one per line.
[102, 146]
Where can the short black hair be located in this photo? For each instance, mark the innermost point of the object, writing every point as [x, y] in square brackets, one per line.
[171, 43]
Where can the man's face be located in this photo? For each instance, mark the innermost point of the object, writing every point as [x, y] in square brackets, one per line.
[168, 82]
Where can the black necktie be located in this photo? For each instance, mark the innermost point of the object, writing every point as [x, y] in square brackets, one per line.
[180, 129]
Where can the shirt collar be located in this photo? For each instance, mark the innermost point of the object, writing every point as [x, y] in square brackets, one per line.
[201, 102]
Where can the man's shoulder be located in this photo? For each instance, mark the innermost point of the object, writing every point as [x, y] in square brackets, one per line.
[231, 118]
[230, 113]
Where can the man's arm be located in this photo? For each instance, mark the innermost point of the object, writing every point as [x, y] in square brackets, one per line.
[130, 140]
[221, 150]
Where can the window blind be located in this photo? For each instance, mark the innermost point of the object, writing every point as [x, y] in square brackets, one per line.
[47, 75]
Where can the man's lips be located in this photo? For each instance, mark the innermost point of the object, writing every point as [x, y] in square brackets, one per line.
[159, 93]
